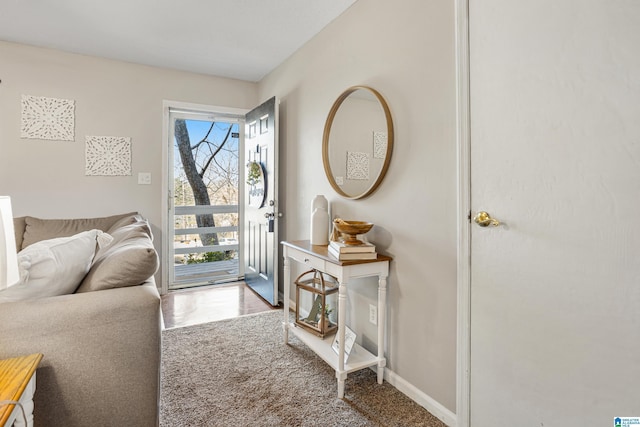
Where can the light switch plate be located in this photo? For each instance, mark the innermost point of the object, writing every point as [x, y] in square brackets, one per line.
[144, 178]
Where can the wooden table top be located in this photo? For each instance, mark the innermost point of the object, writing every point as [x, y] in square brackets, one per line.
[15, 374]
[322, 251]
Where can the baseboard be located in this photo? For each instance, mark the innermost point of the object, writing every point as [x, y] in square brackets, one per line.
[422, 399]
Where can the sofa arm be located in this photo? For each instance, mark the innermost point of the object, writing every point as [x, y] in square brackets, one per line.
[101, 349]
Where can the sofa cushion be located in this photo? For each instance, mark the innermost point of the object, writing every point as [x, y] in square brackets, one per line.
[129, 260]
[53, 267]
[38, 229]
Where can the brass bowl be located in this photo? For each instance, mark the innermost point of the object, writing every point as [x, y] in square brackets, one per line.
[351, 229]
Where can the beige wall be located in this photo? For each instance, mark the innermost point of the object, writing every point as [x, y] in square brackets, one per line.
[407, 54]
[47, 178]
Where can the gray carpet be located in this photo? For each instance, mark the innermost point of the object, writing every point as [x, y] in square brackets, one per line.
[239, 372]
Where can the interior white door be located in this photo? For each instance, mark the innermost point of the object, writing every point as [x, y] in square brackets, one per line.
[261, 201]
[555, 157]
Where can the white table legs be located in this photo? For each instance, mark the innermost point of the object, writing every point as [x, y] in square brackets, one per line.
[287, 289]
[341, 375]
[382, 318]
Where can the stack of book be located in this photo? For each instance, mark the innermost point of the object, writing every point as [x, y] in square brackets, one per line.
[345, 252]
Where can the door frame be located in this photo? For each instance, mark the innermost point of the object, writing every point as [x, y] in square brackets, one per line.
[463, 143]
[166, 204]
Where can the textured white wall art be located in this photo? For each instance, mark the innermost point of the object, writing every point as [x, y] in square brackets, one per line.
[379, 145]
[108, 155]
[357, 165]
[48, 118]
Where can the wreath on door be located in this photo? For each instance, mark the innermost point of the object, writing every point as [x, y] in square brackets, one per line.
[257, 184]
[254, 173]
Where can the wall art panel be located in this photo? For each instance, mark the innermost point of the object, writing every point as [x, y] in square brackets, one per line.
[48, 118]
[357, 165]
[108, 156]
[379, 145]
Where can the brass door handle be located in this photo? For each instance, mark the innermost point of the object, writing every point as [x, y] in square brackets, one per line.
[483, 219]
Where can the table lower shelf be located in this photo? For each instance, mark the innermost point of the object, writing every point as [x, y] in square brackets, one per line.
[359, 358]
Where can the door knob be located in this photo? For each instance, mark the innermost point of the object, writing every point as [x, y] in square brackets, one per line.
[483, 219]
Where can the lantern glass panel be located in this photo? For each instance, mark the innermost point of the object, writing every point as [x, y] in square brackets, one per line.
[317, 303]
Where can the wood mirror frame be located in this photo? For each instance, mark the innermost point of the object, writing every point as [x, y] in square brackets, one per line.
[326, 138]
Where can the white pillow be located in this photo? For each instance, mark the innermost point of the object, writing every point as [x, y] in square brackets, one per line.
[54, 267]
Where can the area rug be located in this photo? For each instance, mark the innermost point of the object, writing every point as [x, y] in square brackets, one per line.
[239, 372]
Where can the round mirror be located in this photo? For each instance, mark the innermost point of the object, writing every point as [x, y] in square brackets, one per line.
[357, 142]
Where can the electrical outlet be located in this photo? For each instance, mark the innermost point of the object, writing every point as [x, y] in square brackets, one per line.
[373, 314]
[144, 178]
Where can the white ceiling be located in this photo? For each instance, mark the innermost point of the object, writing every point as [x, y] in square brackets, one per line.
[242, 39]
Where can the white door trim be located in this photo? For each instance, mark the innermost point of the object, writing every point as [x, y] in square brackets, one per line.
[463, 353]
[165, 201]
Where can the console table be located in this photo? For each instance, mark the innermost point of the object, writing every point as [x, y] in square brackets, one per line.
[17, 384]
[317, 257]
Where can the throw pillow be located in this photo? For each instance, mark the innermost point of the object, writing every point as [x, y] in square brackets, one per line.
[129, 260]
[19, 226]
[127, 220]
[54, 267]
[37, 229]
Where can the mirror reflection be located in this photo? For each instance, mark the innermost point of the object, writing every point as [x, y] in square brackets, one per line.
[357, 142]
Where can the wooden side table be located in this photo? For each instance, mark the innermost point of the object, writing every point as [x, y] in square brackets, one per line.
[18, 383]
[317, 257]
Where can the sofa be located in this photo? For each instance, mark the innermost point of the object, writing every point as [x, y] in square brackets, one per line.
[101, 337]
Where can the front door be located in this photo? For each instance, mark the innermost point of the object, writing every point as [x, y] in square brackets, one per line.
[261, 201]
[555, 158]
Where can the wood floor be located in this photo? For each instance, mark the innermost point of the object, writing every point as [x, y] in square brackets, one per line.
[208, 303]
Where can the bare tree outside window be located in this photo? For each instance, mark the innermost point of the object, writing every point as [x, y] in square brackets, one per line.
[209, 176]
